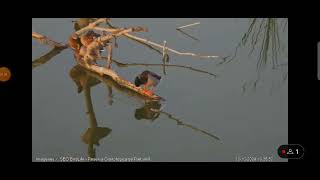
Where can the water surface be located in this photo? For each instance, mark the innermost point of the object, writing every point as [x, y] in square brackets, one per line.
[249, 122]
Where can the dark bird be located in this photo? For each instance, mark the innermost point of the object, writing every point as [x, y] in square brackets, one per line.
[148, 79]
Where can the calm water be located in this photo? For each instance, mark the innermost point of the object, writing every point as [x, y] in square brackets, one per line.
[250, 122]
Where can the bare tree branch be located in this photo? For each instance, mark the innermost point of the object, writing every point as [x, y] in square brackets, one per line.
[121, 64]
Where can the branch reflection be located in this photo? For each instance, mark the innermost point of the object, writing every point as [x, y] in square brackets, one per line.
[47, 57]
[151, 110]
[94, 133]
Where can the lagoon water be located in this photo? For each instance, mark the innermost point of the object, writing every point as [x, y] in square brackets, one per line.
[204, 118]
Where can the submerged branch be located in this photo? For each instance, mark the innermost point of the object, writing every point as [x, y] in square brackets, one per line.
[110, 83]
[193, 24]
[45, 40]
[57, 48]
[181, 31]
[120, 64]
[120, 80]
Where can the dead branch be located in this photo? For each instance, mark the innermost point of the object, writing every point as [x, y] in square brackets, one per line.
[104, 71]
[147, 45]
[108, 81]
[101, 41]
[164, 54]
[183, 32]
[164, 49]
[145, 41]
[121, 64]
[109, 61]
[45, 40]
[91, 26]
[121, 81]
[193, 24]
[169, 49]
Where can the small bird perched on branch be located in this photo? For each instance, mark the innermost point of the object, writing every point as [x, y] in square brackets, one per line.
[148, 79]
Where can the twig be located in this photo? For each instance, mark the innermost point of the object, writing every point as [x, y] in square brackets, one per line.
[164, 49]
[179, 30]
[109, 61]
[169, 49]
[150, 44]
[193, 24]
[145, 41]
[117, 30]
[164, 53]
[57, 48]
[93, 48]
[91, 25]
[120, 64]
[45, 40]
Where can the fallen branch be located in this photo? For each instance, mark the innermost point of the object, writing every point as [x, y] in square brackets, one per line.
[45, 40]
[147, 45]
[104, 71]
[91, 26]
[95, 79]
[121, 81]
[179, 30]
[145, 41]
[93, 47]
[169, 49]
[80, 71]
[103, 39]
[193, 24]
[121, 64]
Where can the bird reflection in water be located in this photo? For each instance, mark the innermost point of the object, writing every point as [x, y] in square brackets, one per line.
[151, 110]
[147, 111]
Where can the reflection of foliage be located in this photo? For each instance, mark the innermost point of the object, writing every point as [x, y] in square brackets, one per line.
[264, 34]
[267, 30]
